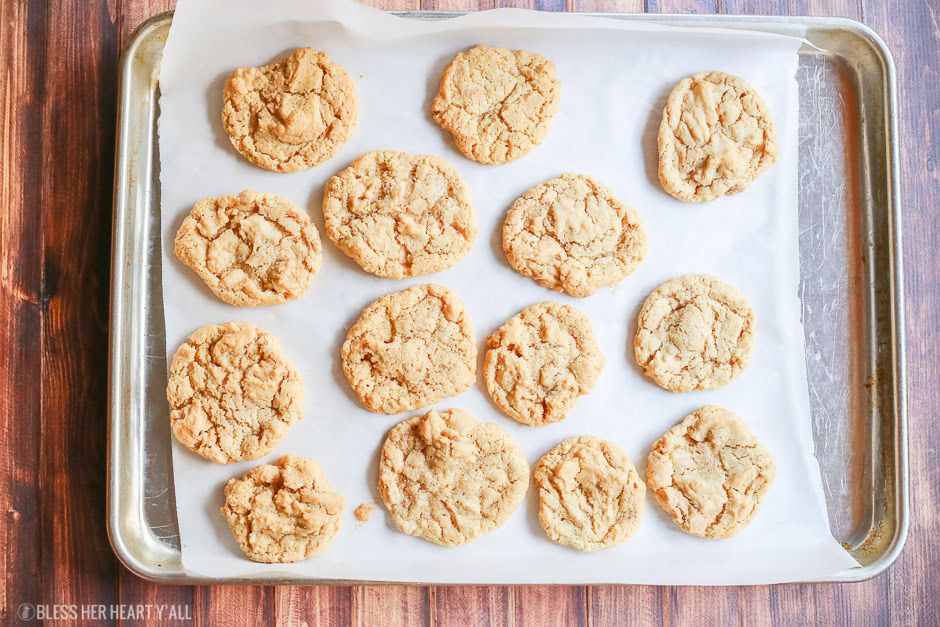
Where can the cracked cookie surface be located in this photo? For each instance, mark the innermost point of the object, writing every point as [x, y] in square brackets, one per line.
[694, 332]
[497, 103]
[285, 512]
[717, 136]
[232, 393]
[400, 215]
[448, 479]
[250, 249]
[541, 361]
[410, 349]
[590, 494]
[710, 473]
[571, 235]
[292, 114]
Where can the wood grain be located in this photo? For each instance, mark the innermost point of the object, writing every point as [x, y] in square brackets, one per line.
[910, 588]
[391, 605]
[134, 591]
[681, 6]
[753, 7]
[76, 140]
[234, 606]
[549, 605]
[395, 5]
[129, 14]
[21, 291]
[472, 606]
[539, 5]
[625, 605]
[457, 5]
[606, 6]
[313, 605]
[56, 172]
[791, 604]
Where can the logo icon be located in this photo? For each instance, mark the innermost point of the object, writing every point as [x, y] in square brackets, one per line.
[26, 611]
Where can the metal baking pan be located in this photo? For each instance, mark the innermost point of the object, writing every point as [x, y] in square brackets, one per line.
[851, 282]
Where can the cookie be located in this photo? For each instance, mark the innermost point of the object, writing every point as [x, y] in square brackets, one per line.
[448, 479]
[292, 114]
[251, 249]
[232, 393]
[590, 495]
[410, 349]
[284, 512]
[710, 473]
[571, 235]
[717, 136]
[399, 215]
[497, 103]
[694, 332]
[540, 362]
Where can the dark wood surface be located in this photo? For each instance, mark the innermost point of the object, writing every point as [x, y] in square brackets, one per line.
[57, 116]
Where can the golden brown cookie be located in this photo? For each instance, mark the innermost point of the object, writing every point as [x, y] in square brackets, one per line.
[448, 479]
[400, 215]
[251, 249]
[284, 512]
[571, 235]
[410, 349]
[590, 495]
[497, 103]
[710, 473]
[232, 393]
[541, 361]
[717, 136]
[292, 114]
[694, 332]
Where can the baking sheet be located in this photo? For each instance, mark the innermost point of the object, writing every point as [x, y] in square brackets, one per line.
[615, 78]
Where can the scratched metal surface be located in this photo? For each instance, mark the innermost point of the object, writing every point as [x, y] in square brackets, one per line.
[848, 253]
[828, 246]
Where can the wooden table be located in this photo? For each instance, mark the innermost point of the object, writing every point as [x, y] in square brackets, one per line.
[57, 118]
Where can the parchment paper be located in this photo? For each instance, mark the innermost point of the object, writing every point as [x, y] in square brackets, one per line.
[615, 79]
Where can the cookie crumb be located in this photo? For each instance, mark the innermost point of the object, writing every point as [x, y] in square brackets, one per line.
[364, 512]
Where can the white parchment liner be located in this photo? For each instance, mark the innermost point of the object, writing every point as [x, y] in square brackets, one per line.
[615, 78]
